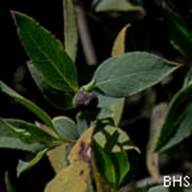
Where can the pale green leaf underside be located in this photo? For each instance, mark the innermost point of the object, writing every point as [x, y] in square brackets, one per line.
[25, 131]
[15, 143]
[120, 5]
[66, 128]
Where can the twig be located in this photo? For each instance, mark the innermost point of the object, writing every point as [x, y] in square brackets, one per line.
[85, 37]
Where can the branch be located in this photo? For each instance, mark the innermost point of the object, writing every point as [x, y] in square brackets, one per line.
[85, 36]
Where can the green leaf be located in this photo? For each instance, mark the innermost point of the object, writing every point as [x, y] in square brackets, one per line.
[27, 103]
[113, 107]
[82, 123]
[158, 189]
[110, 108]
[56, 97]
[8, 184]
[157, 120]
[70, 29]
[24, 166]
[25, 131]
[112, 139]
[120, 5]
[131, 73]
[112, 166]
[180, 33]
[66, 128]
[46, 53]
[15, 143]
[178, 123]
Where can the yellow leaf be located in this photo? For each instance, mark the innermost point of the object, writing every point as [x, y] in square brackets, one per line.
[81, 151]
[119, 43]
[57, 157]
[75, 177]
[71, 179]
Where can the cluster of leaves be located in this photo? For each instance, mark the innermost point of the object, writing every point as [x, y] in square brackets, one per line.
[91, 155]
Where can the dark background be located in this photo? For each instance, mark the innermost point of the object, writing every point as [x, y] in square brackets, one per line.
[148, 33]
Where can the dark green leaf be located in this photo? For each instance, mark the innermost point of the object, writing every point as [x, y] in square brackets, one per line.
[180, 33]
[66, 128]
[70, 29]
[8, 184]
[24, 166]
[178, 123]
[27, 103]
[131, 73]
[46, 53]
[58, 98]
[113, 166]
[25, 131]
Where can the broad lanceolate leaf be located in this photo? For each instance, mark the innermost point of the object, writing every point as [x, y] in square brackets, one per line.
[112, 139]
[112, 166]
[70, 29]
[180, 33]
[27, 103]
[75, 177]
[157, 120]
[56, 97]
[66, 128]
[131, 73]
[120, 5]
[113, 107]
[24, 166]
[26, 132]
[46, 53]
[178, 123]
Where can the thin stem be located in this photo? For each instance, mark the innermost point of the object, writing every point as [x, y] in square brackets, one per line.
[85, 36]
